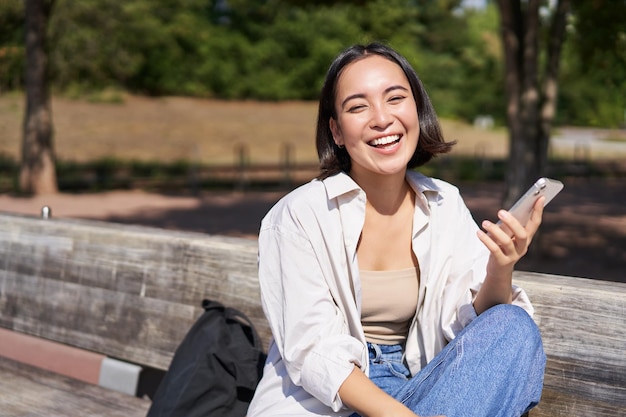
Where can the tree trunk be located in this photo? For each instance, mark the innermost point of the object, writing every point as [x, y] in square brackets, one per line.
[550, 83]
[530, 111]
[511, 27]
[531, 100]
[519, 31]
[37, 173]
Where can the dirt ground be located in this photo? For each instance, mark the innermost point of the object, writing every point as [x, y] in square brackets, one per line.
[583, 233]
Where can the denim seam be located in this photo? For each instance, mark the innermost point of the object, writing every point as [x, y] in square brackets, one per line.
[425, 376]
[389, 365]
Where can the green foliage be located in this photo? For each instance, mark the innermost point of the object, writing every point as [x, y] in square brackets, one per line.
[11, 22]
[11, 44]
[93, 42]
[600, 39]
[589, 93]
[280, 50]
[593, 91]
[482, 89]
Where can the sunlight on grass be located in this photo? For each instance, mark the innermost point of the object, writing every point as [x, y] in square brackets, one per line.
[619, 139]
[170, 129]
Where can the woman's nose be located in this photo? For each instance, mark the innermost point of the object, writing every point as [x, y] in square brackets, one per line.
[381, 117]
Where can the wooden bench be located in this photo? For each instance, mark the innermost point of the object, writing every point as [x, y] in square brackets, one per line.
[124, 297]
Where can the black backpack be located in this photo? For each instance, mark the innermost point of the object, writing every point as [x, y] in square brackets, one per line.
[215, 369]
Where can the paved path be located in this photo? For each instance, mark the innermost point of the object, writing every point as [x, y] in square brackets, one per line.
[584, 143]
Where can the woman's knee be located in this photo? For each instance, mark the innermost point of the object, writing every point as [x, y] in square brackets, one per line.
[514, 322]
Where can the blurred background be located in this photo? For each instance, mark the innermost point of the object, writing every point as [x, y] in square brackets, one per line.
[200, 114]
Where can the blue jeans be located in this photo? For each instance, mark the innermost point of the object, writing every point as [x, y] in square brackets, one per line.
[493, 368]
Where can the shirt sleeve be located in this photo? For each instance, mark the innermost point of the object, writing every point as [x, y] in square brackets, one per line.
[309, 329]
[467, 274]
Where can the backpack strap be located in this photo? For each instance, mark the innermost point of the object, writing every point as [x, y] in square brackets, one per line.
[212, 305]
[232, 314]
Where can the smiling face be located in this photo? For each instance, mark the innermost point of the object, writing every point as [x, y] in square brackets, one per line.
[377, 118]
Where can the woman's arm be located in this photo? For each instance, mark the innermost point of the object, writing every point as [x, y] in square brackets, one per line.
[505, 252]
[359, 393]
[303, 304]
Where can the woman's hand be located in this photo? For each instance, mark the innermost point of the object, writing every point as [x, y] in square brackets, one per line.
[507, 244]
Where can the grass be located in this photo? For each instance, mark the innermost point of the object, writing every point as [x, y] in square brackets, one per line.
[618, 139]
[207, 131]
[116, 139]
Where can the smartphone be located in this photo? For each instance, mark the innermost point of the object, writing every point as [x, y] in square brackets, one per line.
[545, 187]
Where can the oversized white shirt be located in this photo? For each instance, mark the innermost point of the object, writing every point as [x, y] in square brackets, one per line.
[311, 291]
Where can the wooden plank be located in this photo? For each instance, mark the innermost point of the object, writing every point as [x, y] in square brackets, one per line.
[29, 391]
[582, 325]
[558, 404]
[132, 292]
[579, 317]
[128, 292]
[137, 329]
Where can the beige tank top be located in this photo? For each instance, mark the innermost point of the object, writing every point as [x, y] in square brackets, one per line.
[388, 304]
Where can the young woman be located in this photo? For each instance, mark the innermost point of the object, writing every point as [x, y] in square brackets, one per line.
[383, 295]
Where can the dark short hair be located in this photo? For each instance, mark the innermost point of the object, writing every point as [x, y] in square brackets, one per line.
[334, 159]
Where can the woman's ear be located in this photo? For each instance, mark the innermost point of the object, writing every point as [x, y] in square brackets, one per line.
[334, 129]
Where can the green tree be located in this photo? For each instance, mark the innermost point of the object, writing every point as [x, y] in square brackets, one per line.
[594, 74]
[279, 49]
[481, 91]
[282, 49]
[533, 34]
[11, 44]
[100, 43]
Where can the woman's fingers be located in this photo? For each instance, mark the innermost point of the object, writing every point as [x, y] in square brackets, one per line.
[495, 238]
[509, 239]
[537, 214]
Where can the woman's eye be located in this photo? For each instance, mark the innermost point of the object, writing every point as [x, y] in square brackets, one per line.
[357, 108]
[396, 99]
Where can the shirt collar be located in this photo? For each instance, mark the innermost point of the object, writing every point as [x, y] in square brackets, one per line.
[342, 183]
[424, 186]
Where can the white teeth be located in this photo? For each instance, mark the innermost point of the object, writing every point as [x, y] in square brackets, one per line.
[384, 141]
